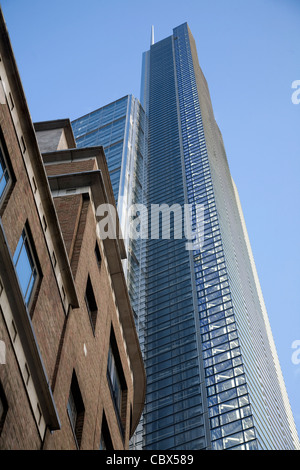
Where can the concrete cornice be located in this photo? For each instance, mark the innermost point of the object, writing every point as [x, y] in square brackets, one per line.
[64, 124]
[71, 155]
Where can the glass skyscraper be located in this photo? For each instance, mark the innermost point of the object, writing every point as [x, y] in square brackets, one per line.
[120, 127]
[213, 375]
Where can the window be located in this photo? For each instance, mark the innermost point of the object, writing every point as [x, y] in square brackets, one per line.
[114, 379]
[4, 174]
[3, 408]
[105, 440]
[91, 303]
[75, 409]
[117, 383]
[25, 265]
[98, 255]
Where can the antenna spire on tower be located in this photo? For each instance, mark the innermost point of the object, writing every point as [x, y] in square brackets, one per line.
[152, 35]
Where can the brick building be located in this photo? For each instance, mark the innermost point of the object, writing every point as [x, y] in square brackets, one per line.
[71, 371]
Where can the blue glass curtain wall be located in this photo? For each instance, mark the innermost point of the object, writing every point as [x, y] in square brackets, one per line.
[230, 423]
[173, 413]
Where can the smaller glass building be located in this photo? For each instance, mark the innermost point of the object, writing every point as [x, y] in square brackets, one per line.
[120, 127]
[106, 126]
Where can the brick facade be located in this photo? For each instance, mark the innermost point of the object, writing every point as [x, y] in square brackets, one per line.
[56, 351]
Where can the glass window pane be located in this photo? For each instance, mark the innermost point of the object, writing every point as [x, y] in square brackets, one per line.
[234, 440]
[114, 379]
[231, 428]
[24, 270]
[25, 267]
[30, 286]
[4, 176]
[229, 417]
[3, 182]
[249, 434]
[72, 409]
[18, 249]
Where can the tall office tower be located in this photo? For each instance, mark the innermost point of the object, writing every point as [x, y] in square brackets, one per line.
[120, 127]
[213, 376]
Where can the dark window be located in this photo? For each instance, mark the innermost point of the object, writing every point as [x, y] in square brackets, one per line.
[114, 378]
[98, 255]
[25, 264]
[3, 408]
[75, 409]
[91, 303]
[117, 383]
[5, 174]
[105, 440]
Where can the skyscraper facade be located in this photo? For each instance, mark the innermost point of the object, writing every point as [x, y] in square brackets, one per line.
[213, 375]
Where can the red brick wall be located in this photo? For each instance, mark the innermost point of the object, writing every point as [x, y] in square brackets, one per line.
[70, 167]
[69, 209]
[62, 338]
[48, 315]
[90, 368]
[19, 430]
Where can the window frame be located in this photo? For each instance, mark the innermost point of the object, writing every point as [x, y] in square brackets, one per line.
[6, 167]
[105, 437]
[91, 304]
[117, 383]
[114, 379]
[5, 174]
[98, 255]
[76, 410]
[27, 246]
[4, 404]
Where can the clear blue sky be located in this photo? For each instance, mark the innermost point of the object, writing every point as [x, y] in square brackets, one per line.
[76, 56]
